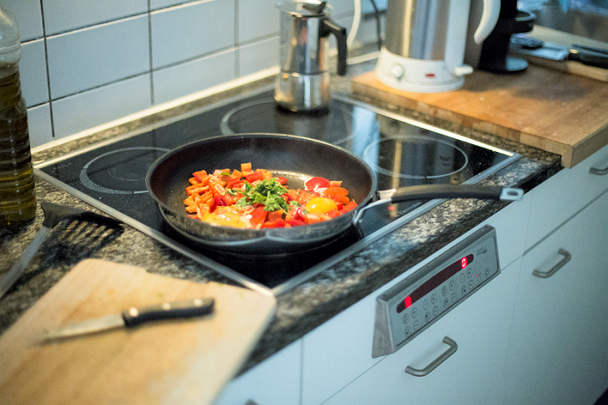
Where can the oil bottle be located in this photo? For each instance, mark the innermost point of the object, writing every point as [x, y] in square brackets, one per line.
[17, 193]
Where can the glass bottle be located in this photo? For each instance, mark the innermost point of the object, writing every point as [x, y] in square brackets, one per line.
[17, 193]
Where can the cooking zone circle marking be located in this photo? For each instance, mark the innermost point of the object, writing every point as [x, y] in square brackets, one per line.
[447, 159]
[264, 116]
[123, 169]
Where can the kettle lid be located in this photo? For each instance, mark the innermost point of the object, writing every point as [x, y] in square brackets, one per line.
[299, 8]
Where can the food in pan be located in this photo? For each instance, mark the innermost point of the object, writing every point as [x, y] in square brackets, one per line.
[249, 198]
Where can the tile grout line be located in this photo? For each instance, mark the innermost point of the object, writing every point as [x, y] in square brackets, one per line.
[48, 74]
[150, 52]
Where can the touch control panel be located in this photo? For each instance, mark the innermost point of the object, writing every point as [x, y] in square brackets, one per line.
[409, 307]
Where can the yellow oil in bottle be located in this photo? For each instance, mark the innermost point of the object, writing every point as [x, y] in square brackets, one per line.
[17, 193]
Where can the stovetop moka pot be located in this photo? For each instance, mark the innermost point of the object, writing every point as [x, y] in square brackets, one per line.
[303, 81]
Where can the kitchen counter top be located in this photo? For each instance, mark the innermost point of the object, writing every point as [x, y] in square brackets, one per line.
[302, 308]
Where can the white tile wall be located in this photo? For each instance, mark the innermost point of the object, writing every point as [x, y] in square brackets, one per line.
[32, 69]
[186, 78]
[39, 125]
[191, 30]
[103, 60]
[95, 107]
[257, 19]
[83, 59]
[258, 56]
[66, 15]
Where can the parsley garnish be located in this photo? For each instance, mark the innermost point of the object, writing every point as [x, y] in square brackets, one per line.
[267, 192]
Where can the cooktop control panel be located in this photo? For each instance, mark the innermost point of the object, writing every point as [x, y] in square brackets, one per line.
[412, 305]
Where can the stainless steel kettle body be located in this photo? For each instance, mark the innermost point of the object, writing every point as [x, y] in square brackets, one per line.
[303, 81]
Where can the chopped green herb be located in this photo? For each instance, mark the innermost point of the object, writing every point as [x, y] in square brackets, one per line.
[267, 192]
[225, 173]
[230, 191]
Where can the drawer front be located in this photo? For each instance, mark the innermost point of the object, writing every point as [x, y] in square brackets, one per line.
[559, 344]
[274, 381]
[566, 193]
[473, 355]
[340, 350]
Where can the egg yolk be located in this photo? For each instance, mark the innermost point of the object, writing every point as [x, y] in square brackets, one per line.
[320, 205]
[226, 216]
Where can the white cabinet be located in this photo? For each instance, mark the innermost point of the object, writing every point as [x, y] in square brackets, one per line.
[559, 339]
[471, 375]
[274, 381]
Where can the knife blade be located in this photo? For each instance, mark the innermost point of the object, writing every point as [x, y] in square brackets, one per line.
[133, 317]
[556, 52]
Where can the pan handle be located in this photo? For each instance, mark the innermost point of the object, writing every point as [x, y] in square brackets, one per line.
[435, 191]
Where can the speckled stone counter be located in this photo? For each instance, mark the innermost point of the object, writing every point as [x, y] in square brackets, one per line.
[300, 309]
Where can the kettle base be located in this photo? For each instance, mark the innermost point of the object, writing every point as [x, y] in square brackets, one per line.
[416, 75]
[301, 92]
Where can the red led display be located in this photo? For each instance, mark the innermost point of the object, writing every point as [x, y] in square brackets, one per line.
[434, 282]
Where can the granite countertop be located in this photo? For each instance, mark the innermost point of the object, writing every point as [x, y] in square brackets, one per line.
[300, 309]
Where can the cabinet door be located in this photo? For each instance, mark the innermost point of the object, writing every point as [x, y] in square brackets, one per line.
[558, 345]
[471, 375]
[274, 381]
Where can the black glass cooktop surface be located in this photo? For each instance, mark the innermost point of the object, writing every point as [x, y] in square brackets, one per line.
[400, 152]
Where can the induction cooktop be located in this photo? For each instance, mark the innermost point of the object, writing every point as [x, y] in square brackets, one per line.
[400, 151]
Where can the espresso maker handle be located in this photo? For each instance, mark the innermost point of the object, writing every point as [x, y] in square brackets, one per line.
[330, 27]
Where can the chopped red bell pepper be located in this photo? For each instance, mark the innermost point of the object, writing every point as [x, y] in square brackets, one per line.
[350, 206]
[279, 223]
[317, 182]
[255, 177]
[282, 180]
[258, 216]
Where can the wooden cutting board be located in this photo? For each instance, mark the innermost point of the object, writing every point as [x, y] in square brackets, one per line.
[540, 107]
[171, 362]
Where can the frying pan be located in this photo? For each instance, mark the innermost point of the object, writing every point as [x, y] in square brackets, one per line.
[297, 159]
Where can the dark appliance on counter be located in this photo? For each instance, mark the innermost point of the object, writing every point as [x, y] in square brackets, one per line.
[111, 175]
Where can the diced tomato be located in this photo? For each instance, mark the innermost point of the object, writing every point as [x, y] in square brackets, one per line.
[295, 222]
[317, 182]
[246, 167]
[255, 177]
[331, 191]
[200, 175]
[235, 183]
[228, 199]
[282, 180]
[334, 183]
[274, 215]
[333, 214]
[258, 216]
[218, 201]
[342, 199]
[279, 223]
[350, 206]
[299, 214]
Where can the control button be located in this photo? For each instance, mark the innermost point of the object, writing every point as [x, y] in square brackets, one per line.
[444, 291]
[425, 304]
[414, 312]
[471, 284]
[397, 71]
[416, 325]
[454, 297]
[461, 278]
[487, 272]
[434, 299]
[405, 319]
[463, 289]
[469, 273]
[452, 285]
[446, 302]
[427, 317]
[435, 310]
[408, 331]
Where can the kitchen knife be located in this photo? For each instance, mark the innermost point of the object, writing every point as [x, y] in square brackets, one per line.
[556, 52]
[133, 317]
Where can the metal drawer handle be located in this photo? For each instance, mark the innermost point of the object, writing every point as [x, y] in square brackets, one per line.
[554, 269]
[435, 363]
[599, 172]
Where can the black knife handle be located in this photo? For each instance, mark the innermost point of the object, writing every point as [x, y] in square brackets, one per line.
[168, 310]
[587, 58]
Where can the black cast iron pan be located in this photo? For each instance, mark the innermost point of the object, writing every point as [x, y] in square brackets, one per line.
[297, 159]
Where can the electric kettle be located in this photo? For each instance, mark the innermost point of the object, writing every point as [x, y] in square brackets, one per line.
[425, 43]
[303, 81]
